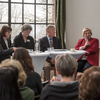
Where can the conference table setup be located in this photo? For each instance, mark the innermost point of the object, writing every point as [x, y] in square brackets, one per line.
[39, 58]
[76, 53]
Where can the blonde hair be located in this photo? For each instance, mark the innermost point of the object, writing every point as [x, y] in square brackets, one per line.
[66, 64]
[86, 29]
[21, 74]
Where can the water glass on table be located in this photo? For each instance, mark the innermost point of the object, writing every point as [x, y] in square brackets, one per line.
[50, 49]
[30, 50]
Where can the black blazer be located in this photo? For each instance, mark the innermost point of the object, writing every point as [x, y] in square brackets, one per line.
[4, 52]
[44, 44]
[19, 42]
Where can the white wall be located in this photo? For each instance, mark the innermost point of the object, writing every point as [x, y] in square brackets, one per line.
[81, 14]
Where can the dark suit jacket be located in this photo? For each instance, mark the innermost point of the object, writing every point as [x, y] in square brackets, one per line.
[44, 44]
[19, 42]
[4, 52]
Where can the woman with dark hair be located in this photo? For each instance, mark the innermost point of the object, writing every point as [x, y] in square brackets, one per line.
[9, 89]
[89, 88]
[33, 80]
[5, 43]
[27, 93]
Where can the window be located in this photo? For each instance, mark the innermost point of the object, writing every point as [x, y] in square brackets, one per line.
[38, 13]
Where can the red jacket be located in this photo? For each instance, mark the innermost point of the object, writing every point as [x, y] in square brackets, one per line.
[93, 56]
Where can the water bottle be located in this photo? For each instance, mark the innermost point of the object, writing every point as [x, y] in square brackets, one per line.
[37, 47]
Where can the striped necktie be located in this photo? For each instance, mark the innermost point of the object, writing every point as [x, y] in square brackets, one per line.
[51, 44]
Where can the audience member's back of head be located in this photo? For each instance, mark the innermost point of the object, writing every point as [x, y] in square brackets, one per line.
[89, 88]
[9, 89]
[25, 59]
[21, 73]
[66, 64]
[66, 88]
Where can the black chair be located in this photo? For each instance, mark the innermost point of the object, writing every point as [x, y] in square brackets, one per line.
[45, 83]
[37, 97]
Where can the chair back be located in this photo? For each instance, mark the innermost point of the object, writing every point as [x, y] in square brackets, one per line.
[45, 83]
[37, 97]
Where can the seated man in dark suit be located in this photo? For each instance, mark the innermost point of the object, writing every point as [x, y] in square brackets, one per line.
[46, 42]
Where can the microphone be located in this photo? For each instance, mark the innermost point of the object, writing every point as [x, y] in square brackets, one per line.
[88, 39]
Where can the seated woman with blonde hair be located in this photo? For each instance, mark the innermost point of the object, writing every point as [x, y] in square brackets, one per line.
[27, 93]
[89, 88]
[91, 45]
[33, 80]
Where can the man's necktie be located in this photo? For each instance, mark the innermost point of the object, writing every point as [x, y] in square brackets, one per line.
[51, 44]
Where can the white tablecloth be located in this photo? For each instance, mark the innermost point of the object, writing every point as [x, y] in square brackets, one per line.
[38, 60]
[76, 54]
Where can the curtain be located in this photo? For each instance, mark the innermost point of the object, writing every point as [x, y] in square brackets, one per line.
[60, 20]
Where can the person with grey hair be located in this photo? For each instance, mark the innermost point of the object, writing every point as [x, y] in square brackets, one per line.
[66, 88]
[46, 42]
[23, 39]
